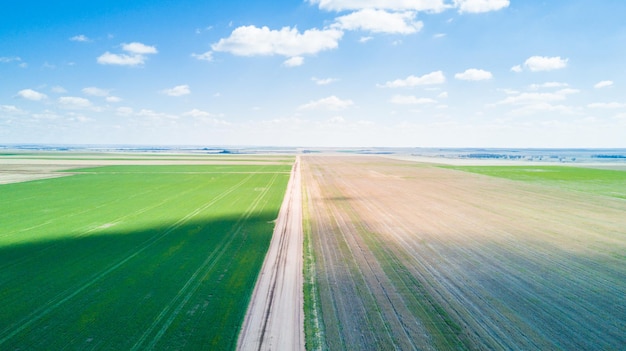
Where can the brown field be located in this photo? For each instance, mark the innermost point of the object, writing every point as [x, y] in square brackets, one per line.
[411, 256]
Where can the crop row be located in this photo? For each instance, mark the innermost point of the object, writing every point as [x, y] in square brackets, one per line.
[133, 257]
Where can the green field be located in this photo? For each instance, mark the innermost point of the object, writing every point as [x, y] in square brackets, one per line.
[134, 257]
[604, 182]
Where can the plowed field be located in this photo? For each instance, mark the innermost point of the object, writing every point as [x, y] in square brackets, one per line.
[411, 256]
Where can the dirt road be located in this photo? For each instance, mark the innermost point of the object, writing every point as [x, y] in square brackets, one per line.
[275, 318]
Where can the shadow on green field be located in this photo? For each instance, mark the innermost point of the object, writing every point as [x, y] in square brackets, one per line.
[169, 286]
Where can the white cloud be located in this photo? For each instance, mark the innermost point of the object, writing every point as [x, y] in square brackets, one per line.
[411, 100]
[380, 21]
[479, 6]
[80, 38]
[207, 56]
[439, 35]
[204, 116]
[139, 48]
[544, 63]
[294, 61]
[330, 103]
[121, 59]
[337, 119]
[534, 98]
[93, 91]
[436, 77]
[365, 39]
[517, 68]
[251, 41]
[324, 81]
[58, 89]
[113, 99]
[5, 59]
[124, 111]
[73, 102]
[197, 113]
[474, 74]
[606, 105]
[12, 110]
[443, 95]
[33, 95]
[178, 90]
[543, 107]
[136, 57]
[464, 6]
[548, 85]
[603, 84]
[394, 5]
[47, 114]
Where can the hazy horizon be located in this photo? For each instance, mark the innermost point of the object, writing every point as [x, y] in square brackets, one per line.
[328, 73]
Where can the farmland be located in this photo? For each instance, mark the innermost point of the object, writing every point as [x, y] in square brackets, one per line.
[156, 255]
[405, 255]
[141, 251]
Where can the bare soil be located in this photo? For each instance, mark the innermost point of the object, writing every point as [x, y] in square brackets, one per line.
[411, 256]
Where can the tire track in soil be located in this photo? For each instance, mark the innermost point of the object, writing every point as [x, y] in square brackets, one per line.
[275, 316]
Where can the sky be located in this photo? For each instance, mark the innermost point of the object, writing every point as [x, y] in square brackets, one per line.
[361, 73]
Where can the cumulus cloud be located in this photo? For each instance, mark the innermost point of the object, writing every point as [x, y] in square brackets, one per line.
[73, 102]
[330, 103]
[294, 61]
[204, 116]
[543, 107]
[432, 78]
[136, 55]
[394, 5]
[93, 91]
[544, 63]
[517, 68]
[124, 111]
[12, 110]
[479, 6]
[121, 59]
[207, 56]
[252, 41]
[365, 39]
[411, 100]
[80, 38]
[534, 98]
[113, 99]
[324, 81]
[606, 105]
[380, 21]
[436, 6]
[58, 89]
[548, 85]
[178, 90]
[474, 74]
[30, 94]
[603, 84]
[4, 59]
[139, 48]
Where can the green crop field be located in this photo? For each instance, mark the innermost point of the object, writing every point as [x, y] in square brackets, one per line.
[134, 257]
[597, 181]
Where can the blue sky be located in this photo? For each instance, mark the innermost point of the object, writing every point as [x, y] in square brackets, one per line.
[475, 73]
